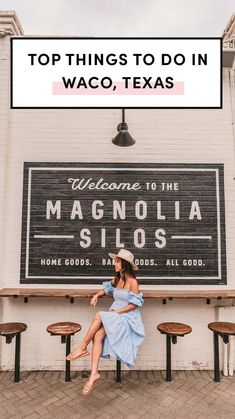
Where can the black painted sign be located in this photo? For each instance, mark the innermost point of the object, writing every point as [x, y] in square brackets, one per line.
[171, 216]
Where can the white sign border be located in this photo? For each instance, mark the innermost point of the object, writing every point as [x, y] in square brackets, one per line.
[31, 169]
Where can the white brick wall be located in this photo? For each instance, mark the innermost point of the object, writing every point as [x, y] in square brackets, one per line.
[162, 136]
[4, 135]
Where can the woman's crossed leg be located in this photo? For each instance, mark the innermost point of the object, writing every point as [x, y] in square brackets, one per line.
[95, 359]
[81, 350]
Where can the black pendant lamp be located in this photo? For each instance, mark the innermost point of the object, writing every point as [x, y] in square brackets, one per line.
[123, 138]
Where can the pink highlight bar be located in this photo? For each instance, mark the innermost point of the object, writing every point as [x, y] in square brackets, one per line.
[59, 89]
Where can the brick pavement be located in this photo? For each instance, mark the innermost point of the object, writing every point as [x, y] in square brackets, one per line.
[142, 394]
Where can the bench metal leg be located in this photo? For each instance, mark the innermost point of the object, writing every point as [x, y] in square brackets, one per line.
[216, 357]
[118, 372]
[17, 359]
[67, 363]
[168, 358]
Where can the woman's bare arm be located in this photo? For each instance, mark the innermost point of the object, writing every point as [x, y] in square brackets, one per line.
[129, 307]
[99, 294]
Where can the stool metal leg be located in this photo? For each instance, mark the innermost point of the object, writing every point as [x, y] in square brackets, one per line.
[118, 372]
[17, 359]
[168, 358]
[67, 363]
[216, 357]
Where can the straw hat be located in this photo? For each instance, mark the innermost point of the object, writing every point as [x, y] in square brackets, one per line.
[125, 255]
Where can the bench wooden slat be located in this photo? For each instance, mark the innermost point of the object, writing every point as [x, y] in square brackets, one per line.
[49, 293]
[88, 293]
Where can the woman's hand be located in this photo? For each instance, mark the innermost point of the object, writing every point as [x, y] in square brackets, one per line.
[94, 300]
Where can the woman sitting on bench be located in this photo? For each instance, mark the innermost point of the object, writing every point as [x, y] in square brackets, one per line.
[119, 332]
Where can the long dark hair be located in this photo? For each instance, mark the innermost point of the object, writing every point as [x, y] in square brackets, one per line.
[126, 269]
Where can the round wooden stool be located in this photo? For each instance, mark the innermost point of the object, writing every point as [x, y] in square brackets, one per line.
[65, 330]
[223, 329]
[11, 330]
[172, 330]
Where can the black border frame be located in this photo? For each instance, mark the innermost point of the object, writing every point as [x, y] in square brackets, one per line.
[168, 281]
[112, 38]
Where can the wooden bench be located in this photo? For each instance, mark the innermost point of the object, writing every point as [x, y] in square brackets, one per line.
[65, 330]
[172, 330]
[224, 330]
[72, 294]
[9, 331]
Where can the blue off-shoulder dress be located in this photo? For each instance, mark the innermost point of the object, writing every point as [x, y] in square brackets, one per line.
[125, 331]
